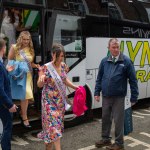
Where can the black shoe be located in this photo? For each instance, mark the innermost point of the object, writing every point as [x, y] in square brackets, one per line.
[24, 125]
[102, 143]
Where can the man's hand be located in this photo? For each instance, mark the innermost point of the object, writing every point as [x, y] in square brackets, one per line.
[97, 98]
[13, 108]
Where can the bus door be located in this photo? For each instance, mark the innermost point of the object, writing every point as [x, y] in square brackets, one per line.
[30, 17]
[65, 28]
[96, 29]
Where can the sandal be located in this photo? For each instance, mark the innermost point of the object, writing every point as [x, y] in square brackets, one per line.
[24, 125]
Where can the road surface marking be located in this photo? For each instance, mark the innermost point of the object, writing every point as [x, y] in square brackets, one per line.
[138, 116]
[19, 141]
[136, 142]
[146, 110]
[146, 134]
[88, 148]
[30, 137]
[141, 113]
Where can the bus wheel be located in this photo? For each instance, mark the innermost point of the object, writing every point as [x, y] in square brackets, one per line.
[71, 120]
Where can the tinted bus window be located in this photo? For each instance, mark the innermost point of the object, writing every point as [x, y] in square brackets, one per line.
[131, 10]
[68, 32]
[75, 6]
[40, 2]
[95, 7]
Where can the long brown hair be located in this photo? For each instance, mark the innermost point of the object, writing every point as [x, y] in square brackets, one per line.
[19, 42]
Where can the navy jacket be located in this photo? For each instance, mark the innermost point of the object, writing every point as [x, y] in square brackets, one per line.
[112, 78]
[5, 91]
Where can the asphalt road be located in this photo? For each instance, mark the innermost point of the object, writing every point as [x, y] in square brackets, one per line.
[83, 136]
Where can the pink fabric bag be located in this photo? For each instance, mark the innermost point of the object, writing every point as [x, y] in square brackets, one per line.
[79, 101]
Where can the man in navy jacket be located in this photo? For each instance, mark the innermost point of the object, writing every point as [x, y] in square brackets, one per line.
[6, 105]
[114, 72]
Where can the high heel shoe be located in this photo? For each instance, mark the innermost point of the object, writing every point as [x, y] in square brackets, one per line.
[24, 125]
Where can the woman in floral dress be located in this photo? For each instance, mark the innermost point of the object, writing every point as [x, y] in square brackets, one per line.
[53, 104]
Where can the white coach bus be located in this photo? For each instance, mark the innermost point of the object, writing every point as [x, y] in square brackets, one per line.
[84, 28]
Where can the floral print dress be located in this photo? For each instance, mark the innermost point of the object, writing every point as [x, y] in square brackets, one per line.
[53, 108]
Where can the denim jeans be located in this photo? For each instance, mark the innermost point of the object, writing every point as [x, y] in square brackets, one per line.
[6, 118]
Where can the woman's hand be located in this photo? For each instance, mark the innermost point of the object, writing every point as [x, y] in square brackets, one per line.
[35, 65]
[66, 68]
[42, 78]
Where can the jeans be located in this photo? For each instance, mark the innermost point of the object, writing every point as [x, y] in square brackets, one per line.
[6, 118]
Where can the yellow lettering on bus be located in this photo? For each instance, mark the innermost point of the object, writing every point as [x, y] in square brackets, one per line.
[147, 77]
[133, 51]
[145, 52]
[140, 74]
[122, 46]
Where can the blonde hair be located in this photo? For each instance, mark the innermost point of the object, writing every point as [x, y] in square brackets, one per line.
[19, 42]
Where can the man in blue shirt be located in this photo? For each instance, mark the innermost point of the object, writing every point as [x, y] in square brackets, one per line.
[114, 73]
[6, 105]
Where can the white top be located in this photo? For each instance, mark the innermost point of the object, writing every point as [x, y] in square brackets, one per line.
[8, 29]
